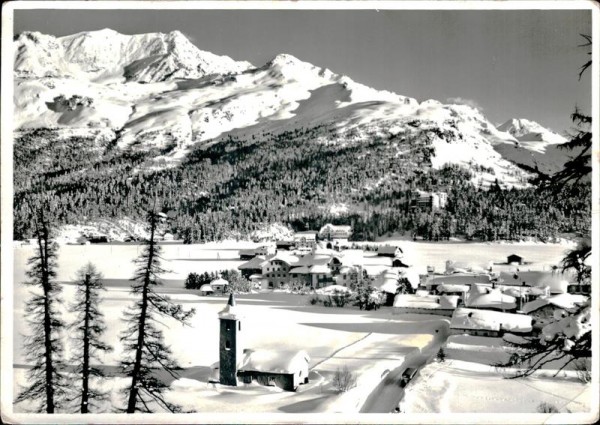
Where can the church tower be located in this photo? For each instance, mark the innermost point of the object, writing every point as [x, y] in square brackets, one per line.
[230, 345]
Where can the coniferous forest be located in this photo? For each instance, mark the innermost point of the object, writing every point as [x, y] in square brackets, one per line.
[234, 187]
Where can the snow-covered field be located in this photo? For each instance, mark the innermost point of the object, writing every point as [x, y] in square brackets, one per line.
[369, 343]
[457, 386]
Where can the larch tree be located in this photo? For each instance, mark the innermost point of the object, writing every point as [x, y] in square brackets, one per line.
[44, 350]
[88, 329]
[147, 354]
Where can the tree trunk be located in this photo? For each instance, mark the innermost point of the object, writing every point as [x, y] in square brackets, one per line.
[43, 245]
[133, 391]
[86, 349]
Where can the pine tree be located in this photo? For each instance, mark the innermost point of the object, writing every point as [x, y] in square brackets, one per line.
[43, 347]
[143, 339]
[89, 327]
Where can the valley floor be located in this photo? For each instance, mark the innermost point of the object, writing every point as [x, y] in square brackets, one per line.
[370, 343]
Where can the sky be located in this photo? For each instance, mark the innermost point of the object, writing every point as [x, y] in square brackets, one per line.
[507, 63]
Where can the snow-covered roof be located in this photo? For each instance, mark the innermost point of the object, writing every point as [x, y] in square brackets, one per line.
[564, 301]
[314, 258]
[285, 257]
[416, 301]
[459, 279]
[446, 287]
[388, 249]
[319, 269]
[300, 270]
[467, 318]
[274, 361]
[255, 263]
[206, 288]
[219, 282]
[491, 298]
[448, 301]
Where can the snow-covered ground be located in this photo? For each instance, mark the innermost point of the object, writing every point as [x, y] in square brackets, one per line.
[369, 343]
[457, 386]
[467, 383]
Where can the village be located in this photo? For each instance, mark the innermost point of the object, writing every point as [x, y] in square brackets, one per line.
[480, 307]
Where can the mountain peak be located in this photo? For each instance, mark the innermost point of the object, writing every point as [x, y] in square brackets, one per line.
[106, 54]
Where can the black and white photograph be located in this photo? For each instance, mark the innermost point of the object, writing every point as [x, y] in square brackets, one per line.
[300, 212]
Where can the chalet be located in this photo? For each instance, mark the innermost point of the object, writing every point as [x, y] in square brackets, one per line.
[254, 266]
[276, 269]
[389, 251]
[285, 245]
[484, 297]
[306, 239]
[283, 368]
[330, 232]
[514, 259]
[206, 289]
[432, 282]
[264, 250]
[320, 275]
[219, 285]
[546, 310]
[488, 323]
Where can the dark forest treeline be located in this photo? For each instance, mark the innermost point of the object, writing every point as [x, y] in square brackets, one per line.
[235, 187]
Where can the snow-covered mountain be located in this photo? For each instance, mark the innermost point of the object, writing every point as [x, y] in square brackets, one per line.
[107, 56]
[530, 134]
[160, 91]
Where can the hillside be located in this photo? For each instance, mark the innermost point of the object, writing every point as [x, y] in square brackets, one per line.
[104, 122]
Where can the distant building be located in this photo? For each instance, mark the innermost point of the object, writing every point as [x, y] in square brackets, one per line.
[514, 259]
[389, 251]
[252, 267]
[330, 232]
[483, 297]
[276, 269]
[430, 200]
[545, 310]
[219, 285]
[306, 239]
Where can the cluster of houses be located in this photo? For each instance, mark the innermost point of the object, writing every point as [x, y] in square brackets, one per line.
[485, 304]
[322, 267]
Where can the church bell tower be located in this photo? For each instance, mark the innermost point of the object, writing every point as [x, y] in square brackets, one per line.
[230, 346]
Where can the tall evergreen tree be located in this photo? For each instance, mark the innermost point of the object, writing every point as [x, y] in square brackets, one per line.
[143, 339]
[43, 347]
[89, 327]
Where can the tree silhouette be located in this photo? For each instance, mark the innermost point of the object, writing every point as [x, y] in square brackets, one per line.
[143, 339]
[43, 347]
[88, 328]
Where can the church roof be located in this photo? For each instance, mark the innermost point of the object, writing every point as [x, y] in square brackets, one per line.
[231, 310]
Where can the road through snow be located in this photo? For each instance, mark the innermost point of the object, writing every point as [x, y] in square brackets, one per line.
[387, 395]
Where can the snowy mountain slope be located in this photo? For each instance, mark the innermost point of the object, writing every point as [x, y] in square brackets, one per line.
[530, 134]
[106, 55]
[160, 91]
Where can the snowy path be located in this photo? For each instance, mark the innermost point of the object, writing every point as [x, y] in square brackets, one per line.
[387, 395]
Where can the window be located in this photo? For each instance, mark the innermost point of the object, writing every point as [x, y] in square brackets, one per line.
[227, 327]
[227, 345]
[239, 326]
